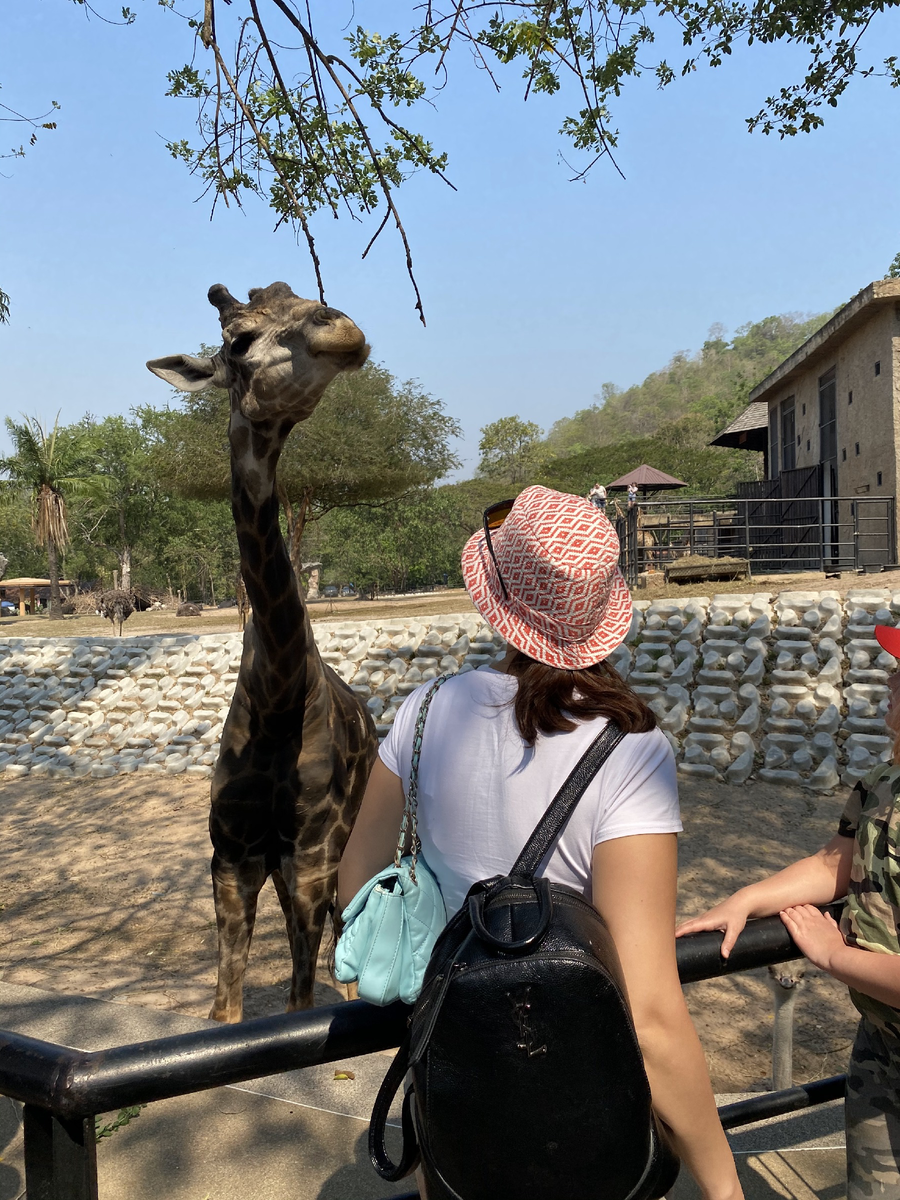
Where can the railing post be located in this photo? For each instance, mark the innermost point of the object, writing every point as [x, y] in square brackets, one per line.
[822, 532]
[60, 1156]
[747, 538]
[854, 507]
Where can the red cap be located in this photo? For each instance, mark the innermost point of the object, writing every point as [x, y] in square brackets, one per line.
[888, 639]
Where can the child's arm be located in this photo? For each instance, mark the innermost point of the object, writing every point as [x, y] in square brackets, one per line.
[818, 936]
[819, 879]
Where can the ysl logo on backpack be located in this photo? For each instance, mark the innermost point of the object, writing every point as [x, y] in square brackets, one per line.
[522, 1018]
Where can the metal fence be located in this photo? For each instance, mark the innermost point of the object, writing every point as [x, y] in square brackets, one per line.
[63, 1090]
[810, 533]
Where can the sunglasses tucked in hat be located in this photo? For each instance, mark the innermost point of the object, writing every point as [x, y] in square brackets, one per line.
[552, 586]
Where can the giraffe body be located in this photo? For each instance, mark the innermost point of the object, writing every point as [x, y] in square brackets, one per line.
[297, 744]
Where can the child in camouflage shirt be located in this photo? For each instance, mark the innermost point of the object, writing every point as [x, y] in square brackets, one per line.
[861, 862]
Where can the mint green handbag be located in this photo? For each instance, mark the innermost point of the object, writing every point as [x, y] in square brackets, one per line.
[393, 921]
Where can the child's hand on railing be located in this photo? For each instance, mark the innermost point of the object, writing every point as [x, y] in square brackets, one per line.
[816, 933]
[730, 917]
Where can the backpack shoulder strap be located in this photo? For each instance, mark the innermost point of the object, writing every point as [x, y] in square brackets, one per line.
[378, 1155]
[563, 803]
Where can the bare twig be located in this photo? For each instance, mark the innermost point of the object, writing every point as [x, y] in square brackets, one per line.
[326, 61]
[263, 144]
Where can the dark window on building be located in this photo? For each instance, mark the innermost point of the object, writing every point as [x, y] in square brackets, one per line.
[803, 410]
[878, 478]
[849, 397]
[788, 435]
[843, 456]
[857, 447]
[807, 443]
[878, 368]
[828, 430]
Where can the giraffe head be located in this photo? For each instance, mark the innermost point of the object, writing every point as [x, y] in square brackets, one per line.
[279, 353]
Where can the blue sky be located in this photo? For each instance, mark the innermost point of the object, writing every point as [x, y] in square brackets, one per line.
[537, 290]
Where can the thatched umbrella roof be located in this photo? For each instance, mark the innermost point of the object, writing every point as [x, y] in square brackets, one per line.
[30, 583]
[648, 479]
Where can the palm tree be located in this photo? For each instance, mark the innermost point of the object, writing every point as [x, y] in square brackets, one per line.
[47, 464]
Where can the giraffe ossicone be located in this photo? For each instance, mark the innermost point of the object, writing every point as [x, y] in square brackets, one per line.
[298, 743]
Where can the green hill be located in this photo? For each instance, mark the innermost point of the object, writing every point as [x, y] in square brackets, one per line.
[669, 419]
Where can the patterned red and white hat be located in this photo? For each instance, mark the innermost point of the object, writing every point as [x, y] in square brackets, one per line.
[568, 605]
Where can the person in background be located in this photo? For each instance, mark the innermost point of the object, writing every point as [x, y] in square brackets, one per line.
[597, 497]
[544, 573]
[632, 495]
[861, 862]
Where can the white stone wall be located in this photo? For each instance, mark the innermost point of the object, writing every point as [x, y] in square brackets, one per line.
[787, 688]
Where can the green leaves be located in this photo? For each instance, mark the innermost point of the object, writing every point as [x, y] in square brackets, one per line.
[48, 464]
[511, 449]
[371, 439]
[310, 124]
[315, 128]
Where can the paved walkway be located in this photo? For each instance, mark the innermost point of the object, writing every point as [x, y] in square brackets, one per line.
[302, 1135]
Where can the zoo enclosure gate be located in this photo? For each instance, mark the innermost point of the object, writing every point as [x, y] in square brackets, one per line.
[63, 1090]
[773, 534]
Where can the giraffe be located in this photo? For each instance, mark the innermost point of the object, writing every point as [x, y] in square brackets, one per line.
[297, 744]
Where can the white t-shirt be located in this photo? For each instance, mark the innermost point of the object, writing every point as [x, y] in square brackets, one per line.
[482, 790]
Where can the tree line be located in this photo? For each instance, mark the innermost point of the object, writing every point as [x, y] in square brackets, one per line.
[146, 496]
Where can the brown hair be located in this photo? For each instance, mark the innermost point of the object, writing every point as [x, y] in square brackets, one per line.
[551, 700]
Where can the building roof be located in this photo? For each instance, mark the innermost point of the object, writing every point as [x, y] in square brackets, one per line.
[749, 430]
[647, 478]
[823, 342]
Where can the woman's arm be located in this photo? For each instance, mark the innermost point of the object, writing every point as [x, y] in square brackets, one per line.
[820, 939]
[819, 879]
[374, 837]
[634, 892]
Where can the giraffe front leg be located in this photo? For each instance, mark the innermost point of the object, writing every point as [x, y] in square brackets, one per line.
[236, 889]
[306, 891]
[308, 917]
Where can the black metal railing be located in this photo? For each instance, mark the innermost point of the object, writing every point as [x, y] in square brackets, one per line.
[63, 1090]
[809, 533]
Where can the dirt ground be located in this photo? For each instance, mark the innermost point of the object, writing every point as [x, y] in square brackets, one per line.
[225, 620]
[654, 586]
[449, 600]
[105, 892]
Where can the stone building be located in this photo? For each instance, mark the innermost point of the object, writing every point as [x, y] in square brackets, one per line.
[834, 402]
[828, 421]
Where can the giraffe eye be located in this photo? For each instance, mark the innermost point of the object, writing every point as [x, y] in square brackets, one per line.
[243, 342]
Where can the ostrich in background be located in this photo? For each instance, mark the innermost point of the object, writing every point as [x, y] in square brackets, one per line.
[116, 606]
[785, 981]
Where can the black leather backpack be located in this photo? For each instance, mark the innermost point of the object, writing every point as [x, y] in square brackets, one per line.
[528, 1083]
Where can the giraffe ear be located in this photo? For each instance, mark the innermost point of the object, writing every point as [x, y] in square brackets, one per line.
[190, 374]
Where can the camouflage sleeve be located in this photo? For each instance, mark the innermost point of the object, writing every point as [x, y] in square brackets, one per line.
[849, 822]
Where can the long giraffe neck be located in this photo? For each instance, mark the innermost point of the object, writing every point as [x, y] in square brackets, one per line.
[280, 620]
